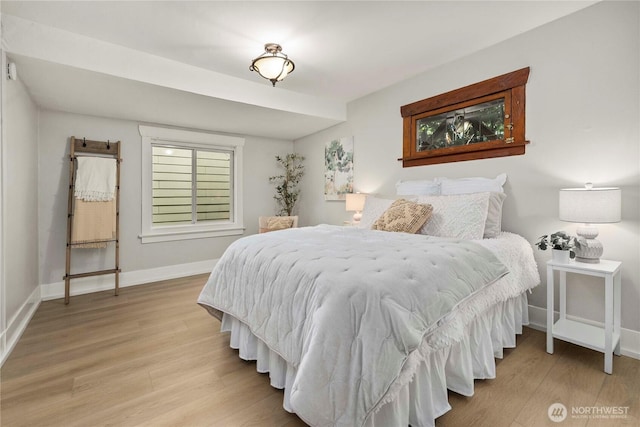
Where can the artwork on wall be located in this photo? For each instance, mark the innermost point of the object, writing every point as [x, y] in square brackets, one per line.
[338, 168]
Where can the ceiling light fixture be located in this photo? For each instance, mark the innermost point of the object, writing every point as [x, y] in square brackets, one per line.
[273, 65]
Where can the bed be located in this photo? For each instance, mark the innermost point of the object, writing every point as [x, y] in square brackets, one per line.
[363, 327]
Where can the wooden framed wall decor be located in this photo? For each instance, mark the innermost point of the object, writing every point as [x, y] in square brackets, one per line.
[483, 120]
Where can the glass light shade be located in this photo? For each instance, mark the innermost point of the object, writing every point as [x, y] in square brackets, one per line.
[273, 67]
[590, 205]
[355, 201]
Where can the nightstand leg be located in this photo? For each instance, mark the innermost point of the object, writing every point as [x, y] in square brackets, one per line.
[562, 294]
[608, 324]
[549, 310]
[617, 282]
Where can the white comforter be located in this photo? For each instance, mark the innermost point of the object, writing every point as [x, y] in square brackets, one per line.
[347, 307]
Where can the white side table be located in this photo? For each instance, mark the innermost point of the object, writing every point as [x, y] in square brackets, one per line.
[605, 340]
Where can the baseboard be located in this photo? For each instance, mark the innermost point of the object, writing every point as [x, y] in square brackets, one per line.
[629, 339]
[86, 285]
[17, 324]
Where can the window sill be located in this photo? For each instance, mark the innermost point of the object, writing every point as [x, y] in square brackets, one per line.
[170, 235]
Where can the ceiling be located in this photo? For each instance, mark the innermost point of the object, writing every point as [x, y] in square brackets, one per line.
[186, 63]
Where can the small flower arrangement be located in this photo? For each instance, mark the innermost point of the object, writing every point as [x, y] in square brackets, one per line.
[558, 240]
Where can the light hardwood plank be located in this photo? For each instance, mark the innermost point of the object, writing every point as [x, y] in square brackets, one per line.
[519, 374]
[153, 357]
[620, 390]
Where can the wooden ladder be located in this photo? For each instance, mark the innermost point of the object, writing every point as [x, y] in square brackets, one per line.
[102, 149]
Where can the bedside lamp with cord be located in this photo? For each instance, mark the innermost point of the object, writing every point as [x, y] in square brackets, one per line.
[355, 202]
[590, 206]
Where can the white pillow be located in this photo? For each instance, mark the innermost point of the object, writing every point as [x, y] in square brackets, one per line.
[374, 207]
[417, 187]
[493, 225]
[472, 185]
[460, 216]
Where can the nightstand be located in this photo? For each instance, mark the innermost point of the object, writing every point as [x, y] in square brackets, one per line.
[605, 340]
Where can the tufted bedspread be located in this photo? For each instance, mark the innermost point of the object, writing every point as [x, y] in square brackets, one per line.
[345, 306]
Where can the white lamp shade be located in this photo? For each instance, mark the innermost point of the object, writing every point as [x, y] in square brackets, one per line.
[590, 205]
[355, 201]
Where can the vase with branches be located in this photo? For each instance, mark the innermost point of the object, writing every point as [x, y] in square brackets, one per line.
[287, 190]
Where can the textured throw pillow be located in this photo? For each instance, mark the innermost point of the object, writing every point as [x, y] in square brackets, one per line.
[472, 185]
[373, 208]
[461, 216]
[493, 224]
[277, 223]
[418, 187]
[403, 216]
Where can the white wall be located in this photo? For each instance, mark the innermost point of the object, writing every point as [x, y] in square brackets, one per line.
[55, 130]
[582, 120]
[19, 200]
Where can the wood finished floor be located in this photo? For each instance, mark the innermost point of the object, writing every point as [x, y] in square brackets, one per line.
[152, 357]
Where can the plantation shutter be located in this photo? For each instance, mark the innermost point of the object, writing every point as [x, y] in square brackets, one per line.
[190, 185]
[213, 185]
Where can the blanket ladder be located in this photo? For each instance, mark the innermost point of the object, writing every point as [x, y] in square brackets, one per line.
[102, 149]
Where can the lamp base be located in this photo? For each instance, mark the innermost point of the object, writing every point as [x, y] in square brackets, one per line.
[588, 249]
[588, 260]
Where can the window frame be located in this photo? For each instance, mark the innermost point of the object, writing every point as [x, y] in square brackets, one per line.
[151, 136]
[510, 86]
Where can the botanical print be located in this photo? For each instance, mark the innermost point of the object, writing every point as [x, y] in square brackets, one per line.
[338, 168]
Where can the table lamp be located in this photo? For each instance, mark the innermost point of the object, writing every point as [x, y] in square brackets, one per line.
[355, 202]
[590, 206]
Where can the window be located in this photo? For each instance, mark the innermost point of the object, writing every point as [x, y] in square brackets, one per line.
[191, 184]
[461, 126]
[184, 194]
[479, 121]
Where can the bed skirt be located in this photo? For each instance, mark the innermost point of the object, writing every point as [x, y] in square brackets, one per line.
[423, 399]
